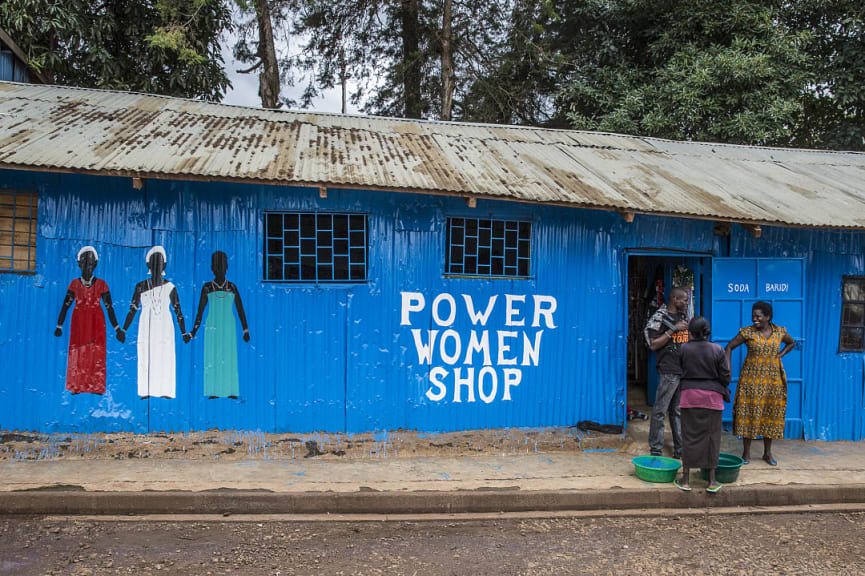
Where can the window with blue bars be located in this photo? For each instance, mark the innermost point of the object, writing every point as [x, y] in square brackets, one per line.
[18, 231]
[315, 247]
[486, 247]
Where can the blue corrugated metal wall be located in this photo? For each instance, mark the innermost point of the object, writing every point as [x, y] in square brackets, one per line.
[335, 357]
[833, 401]
[12, 69]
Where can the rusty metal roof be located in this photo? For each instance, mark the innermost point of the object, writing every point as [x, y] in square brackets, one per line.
[103, 132]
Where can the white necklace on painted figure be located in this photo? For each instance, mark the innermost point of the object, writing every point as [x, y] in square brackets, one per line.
[86, 283]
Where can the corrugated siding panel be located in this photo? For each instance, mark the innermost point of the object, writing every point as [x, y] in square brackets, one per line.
[336, 357]
[833, 403]
[97, 131]
[7, 66]
[320, 358]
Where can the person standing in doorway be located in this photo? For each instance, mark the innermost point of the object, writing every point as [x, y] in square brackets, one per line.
[760, 407]
[665, 331]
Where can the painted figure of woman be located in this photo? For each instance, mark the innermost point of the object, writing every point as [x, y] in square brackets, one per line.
[85, 368]
[220, 331]
[156, 358]
[761, 394]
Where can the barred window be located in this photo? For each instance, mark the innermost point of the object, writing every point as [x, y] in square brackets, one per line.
[315, 247]
[17, 231]
[486, 247]
[852, 314]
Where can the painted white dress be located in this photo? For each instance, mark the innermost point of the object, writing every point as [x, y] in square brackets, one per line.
[156, 360]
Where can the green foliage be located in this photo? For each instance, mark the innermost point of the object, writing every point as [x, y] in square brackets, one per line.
[362, 40]
[516, 80]
[833, 114]
[173, 38]
[712, 71]
[339, 39]
[366, 40]
[159, 46]
[767, 72]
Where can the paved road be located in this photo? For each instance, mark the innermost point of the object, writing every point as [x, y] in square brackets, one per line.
[805, 543]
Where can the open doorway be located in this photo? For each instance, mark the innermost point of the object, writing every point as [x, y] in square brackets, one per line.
[650, 278]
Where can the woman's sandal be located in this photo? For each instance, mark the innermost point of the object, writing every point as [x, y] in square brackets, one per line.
[715, 489]
[685, 487]
[770, 461]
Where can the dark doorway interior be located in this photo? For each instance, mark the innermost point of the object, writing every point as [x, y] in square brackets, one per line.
[650, 279]
[638, 351]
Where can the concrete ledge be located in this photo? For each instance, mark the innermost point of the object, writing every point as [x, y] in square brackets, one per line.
[76, 502]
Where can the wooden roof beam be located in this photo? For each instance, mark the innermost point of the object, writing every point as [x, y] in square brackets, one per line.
[626, 215]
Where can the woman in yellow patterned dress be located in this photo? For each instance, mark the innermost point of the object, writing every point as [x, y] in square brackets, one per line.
[761, 393]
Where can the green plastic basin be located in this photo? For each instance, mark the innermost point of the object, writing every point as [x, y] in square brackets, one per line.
[727, 471]
[656, 468]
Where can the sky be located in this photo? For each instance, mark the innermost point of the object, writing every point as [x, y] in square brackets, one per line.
[244, 87]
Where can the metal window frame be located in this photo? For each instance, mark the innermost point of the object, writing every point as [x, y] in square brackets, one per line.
[844, 280]
[449, 245]
[32, 230]
[315, 214]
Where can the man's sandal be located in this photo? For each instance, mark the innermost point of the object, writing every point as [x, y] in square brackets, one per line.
[715, 489]
[685, 487]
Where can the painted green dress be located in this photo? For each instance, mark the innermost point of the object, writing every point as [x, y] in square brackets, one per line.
[220, 346]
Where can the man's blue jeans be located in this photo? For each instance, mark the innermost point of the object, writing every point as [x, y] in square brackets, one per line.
[666, 402]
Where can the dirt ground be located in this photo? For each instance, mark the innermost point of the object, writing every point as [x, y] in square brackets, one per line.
[241, 445]
[763, 544]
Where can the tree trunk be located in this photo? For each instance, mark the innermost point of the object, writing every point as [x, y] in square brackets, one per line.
[343, 79]
[268, 79]
[447, 61]
[411, 58]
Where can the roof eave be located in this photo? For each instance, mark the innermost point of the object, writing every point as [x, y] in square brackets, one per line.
[454, 193]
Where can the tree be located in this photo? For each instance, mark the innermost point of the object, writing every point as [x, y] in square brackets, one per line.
[513, 65]
[256, 45]
[383, 46]
[405, 80]
[447, 60]
[338, 47]
[158, 46]
[408, 58]
[725, 71]
[833, 113]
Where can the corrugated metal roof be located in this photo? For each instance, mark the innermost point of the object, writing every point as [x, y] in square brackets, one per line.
[95, 131]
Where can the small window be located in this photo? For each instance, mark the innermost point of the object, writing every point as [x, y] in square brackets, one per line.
[852, 314]
[486, 247]
[17, 231]
[314, 247]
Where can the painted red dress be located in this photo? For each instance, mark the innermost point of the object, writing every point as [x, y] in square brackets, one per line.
[85, 371]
